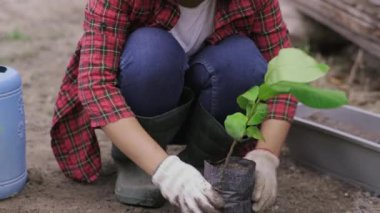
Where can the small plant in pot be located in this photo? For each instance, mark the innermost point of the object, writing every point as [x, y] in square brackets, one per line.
[291, 72]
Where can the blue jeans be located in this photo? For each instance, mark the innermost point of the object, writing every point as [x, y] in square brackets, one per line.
[154, 69]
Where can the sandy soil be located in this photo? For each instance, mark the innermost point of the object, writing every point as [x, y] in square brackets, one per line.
[37, 38]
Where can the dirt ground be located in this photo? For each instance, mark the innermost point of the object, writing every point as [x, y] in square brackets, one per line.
[37, 38]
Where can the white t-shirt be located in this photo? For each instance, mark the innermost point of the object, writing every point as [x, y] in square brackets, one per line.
[194, 26]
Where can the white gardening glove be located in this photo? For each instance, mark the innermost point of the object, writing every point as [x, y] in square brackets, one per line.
[265, 192]
[185, 187]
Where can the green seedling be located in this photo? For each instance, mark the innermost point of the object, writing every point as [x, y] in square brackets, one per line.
[291, 72]
[17, 36]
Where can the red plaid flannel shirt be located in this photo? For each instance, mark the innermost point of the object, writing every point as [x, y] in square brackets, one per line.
[88, 97]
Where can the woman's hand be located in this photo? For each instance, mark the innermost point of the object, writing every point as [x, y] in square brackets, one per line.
[179, 182]
[185, 187]
[265, 192]
[266, 158]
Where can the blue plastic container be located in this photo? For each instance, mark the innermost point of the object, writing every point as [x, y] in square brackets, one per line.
[13, 173]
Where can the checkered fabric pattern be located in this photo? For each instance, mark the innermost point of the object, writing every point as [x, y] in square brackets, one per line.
[88, 97]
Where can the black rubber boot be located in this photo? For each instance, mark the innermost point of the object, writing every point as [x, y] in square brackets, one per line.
[205, 137]
[133, 185]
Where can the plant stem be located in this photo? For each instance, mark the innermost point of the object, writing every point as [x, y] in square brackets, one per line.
[229, 154]
[254, 106]
[221, 175]
[235, 141]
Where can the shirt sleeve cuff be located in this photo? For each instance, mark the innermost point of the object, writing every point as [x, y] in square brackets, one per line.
[111, 117]
[282, 107]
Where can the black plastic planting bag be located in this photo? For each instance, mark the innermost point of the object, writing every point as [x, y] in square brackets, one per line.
[235, 184]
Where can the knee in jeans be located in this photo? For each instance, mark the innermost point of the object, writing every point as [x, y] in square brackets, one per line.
[150, 52]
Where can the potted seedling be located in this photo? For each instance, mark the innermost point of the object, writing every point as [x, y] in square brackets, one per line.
[291, 71]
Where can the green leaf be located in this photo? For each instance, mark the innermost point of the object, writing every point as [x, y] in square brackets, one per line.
[294, 65]
[254, 132]
[249, 109]
[316, 97]
[269, 91]
[280, 88]
[324, 68]
[235, 125]
[249, 96]
[266, 92]
[259, 114]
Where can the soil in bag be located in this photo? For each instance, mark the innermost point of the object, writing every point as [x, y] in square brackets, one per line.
[234, 183]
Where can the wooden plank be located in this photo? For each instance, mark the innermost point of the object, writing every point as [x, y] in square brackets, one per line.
[358, 27]
[370, 7]
[346, 16]
[366, 15]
